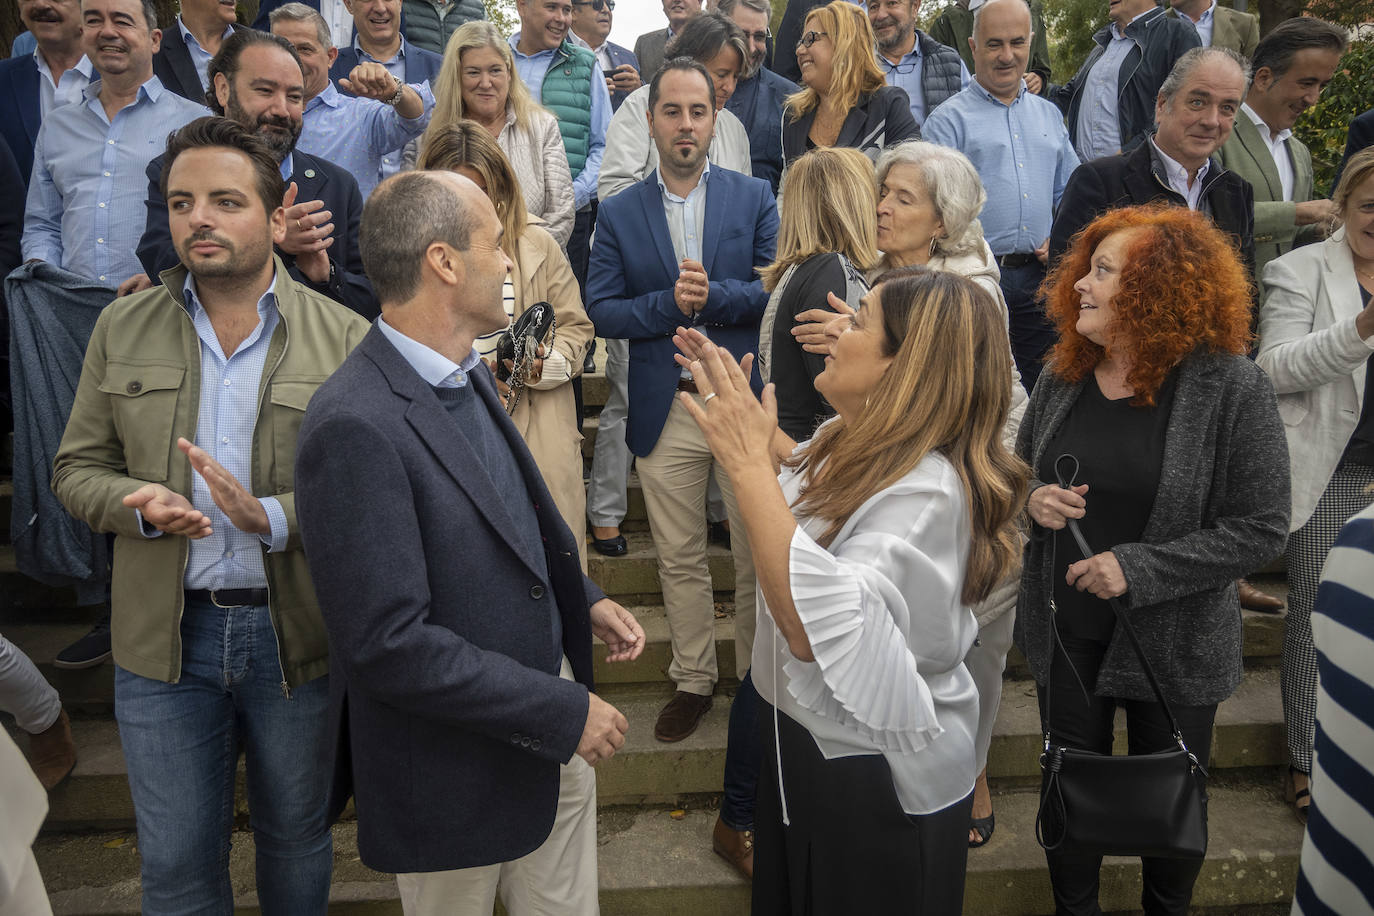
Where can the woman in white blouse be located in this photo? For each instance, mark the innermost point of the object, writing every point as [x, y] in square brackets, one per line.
[872, 546]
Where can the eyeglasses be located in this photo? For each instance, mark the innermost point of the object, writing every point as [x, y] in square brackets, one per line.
[902, 68]
[597, 5]
[761, 37]
[810, 38]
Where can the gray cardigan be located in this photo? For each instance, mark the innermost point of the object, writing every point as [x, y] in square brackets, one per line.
[1221, 512]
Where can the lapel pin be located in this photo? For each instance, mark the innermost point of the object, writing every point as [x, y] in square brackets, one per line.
[309, 173]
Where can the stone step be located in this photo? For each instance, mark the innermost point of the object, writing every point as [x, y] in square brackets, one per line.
[1248, 735]
[634, 576]
[650, 862]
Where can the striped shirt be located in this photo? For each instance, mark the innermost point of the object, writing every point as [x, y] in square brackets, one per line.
[1337, 868]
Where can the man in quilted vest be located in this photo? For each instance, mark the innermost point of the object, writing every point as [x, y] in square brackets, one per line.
[926, 69]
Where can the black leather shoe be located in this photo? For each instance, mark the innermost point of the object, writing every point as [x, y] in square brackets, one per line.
[589, 361]
[611, 547]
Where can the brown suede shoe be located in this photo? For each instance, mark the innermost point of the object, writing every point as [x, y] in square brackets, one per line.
[1252, 599]
[52, 753]
[735, 847]
[681, 716]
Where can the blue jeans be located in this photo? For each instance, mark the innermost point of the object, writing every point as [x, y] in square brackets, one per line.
[743, 751]
[181, 743]
[1031, 332]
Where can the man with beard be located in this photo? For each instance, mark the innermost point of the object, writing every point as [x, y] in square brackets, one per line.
[257, 82]
[912, 60]
[182, 443]
[759, 95]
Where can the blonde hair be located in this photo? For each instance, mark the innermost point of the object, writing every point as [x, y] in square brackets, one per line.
[1357, 168]
[947, 390]
[468, 144]
[854, 68]
[829, 204]
[448, 86]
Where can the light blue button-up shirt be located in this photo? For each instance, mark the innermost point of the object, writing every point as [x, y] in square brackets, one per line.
[906, 74]
[396, 66]
[1023, 154]
[435, 368]
[1099, 123]
[85, 210]
[356, 133]
[64, 91]
[532, 69]
[1205, 24]
[686, 216]
[229, 396]
[199, 56]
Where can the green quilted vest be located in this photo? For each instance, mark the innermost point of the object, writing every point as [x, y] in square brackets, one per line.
[567, 93]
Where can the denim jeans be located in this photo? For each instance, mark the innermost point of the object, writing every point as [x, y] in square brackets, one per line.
[181, 744]
[742, 754]
[1031, 333]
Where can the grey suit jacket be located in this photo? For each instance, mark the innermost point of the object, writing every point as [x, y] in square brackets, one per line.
[1233, 29]
[1246, 154]
[1220, 513]
[649, 50]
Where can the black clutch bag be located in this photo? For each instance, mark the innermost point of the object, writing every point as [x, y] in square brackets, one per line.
[1099, 804]
[520, 346]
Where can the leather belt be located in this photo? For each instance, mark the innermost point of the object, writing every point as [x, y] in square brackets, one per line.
[1018, 259]
[687, 384]
[229, 597]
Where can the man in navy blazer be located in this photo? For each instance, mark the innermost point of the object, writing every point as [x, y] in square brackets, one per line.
[377, 37]
[54, 74]
[459, 619]
[681, 247]
[591, 28]
[320, 248]
[188, 45]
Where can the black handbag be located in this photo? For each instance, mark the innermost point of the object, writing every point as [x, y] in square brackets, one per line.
[520, 345]
[1100, 804]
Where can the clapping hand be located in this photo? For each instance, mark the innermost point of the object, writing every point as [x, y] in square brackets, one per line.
[738, 428]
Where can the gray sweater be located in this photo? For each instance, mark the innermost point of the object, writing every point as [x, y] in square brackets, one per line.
[1221, 512]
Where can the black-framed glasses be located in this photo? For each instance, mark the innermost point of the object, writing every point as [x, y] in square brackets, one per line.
[903, 68]
[810, 38]
[597, 5]
[761, 37]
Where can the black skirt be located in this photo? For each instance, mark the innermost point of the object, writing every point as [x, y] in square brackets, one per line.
[849, 847]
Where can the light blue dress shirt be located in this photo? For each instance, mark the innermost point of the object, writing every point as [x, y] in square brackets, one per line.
[906, 74]
[356, 133]
[686, 216]
[199, 56]
[66, 90]
[1099, 123]
[85, 210]
[1023, 154]
[1205, 24]
[532, 69]
[229, 395]
[435, 368]
[396, 66]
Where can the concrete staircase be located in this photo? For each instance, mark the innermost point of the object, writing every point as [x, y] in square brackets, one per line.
[658, 802]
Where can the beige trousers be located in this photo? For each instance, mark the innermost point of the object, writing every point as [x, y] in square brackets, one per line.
[557, 879]
[674, 477]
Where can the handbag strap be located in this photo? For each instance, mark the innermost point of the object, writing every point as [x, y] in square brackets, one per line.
[1122, 619]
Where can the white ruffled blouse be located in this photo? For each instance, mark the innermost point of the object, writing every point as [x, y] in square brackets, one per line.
[889, 633]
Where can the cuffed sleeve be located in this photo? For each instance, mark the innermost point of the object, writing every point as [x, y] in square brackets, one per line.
[278, 533]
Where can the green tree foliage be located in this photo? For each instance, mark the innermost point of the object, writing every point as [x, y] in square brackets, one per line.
[1071, 24]
[502, 15]
[1324, 127]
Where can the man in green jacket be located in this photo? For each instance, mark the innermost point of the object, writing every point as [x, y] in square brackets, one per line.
[182, 443]
[1292, 65]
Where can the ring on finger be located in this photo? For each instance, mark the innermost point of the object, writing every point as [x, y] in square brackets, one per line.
[299, 227]
[707, 399]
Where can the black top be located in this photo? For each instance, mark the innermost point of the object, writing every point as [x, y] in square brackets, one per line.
[1120, 451]
[793, 370]
[1360, 449]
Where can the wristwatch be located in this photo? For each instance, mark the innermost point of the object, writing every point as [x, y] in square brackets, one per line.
[400, 90]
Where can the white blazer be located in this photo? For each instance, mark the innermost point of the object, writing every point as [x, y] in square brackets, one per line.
[1309, 347]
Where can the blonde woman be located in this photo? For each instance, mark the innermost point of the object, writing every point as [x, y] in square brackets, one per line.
[845, 100]
[871, 546]
[478, 82]
[545, 414]
[827, 238]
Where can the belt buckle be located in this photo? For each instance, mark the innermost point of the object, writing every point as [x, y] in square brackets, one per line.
[214, 599]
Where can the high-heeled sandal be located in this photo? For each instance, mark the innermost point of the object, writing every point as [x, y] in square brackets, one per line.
[1300, 799]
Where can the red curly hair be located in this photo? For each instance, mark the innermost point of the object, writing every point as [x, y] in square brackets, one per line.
[1183, 286]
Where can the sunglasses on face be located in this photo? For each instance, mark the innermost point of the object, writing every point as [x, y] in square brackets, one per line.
[810, 38]
[597, 5]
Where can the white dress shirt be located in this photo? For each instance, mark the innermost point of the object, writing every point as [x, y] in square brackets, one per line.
[1178, 177]
[883, 610]
[1278, 149]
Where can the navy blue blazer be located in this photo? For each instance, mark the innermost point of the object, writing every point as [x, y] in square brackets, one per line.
[619, 57]
[421, 65]
[630, 291]
[20, 116]
[758, 103]
[172, 65]
[449, 719]
[316, 179]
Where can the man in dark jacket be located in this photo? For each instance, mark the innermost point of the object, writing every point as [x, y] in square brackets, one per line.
[1109, 101]
[591, 28]
[1196, 109]
[759, 96]
[188, 44]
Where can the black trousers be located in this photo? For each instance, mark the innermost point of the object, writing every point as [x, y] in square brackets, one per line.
[579, 257]
[849, 847]
[1087, 724]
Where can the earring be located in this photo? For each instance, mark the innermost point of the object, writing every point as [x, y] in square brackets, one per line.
[932, 246]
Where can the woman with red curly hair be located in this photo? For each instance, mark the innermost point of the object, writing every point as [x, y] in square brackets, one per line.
[1181, 486]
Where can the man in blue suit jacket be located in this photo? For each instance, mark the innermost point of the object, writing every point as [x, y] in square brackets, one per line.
[26, 93]
[681, 247]
[322, 216]
[377, 37]
[459, 619]
[188, 45]
[591, 26]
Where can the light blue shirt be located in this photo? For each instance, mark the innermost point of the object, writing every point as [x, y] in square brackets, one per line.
[1021, 151]
[85, 210]
[356, 133]
[686, 215]
[1204, 25]
[435, 368]
[396, 66]
[199, 56]
[229, 395]
[906, 74]
[532, 69]
[64, 91]
[1099, 124]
